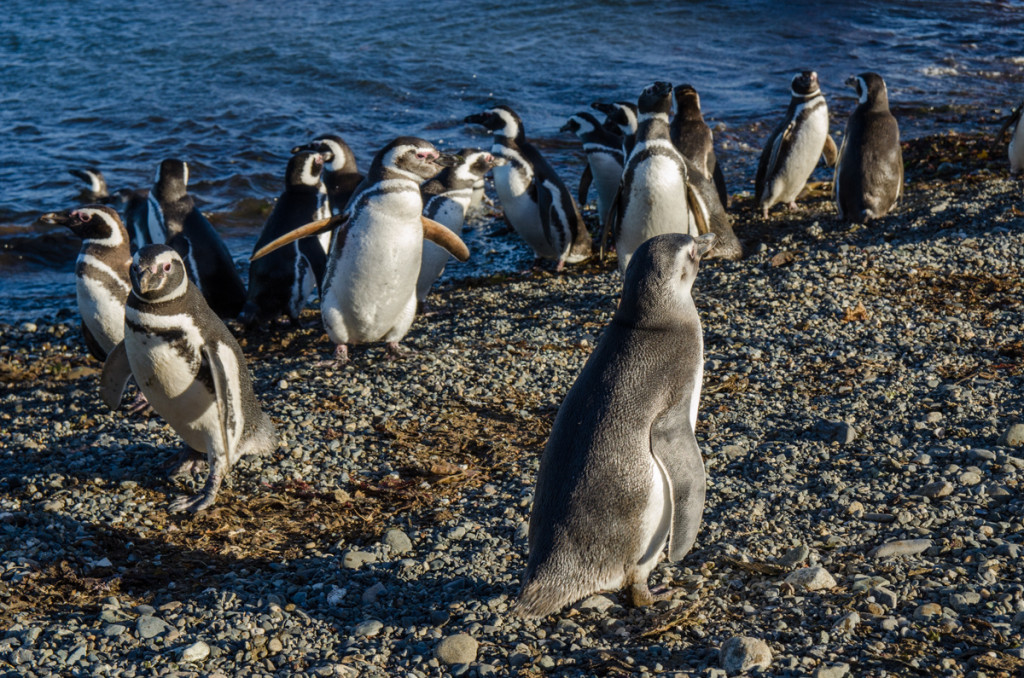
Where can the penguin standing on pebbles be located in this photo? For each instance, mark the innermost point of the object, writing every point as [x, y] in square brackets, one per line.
[1015, 150]
[536, 202]
[447, 198]
[620, 117]
[282, 282]
[793, 149]
[604, 160]
[191, 235]
[621, 475]
[190, 368]
[869, 172]
[340, 177]
[369, 288]
[693, 138]
[101, 274]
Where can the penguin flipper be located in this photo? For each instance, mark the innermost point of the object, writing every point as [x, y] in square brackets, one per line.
[676, 451]
[698, 208]
[1009, 120]
[719, 178]
[314, 255]
[226, 390]
[830, 151]
[445, 237]
[95, 350]
[114, 378]
[585, 180]
[611, 222]
[313, 228]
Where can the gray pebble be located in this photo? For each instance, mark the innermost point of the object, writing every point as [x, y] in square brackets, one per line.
[743, 653]
[885, 597]
[398, 541]
[458, 649]
[904, 547]
[811, 579]
[367, 629]
[596, 603]
[114, 630]
[795, 556]
[1013, 436]
[196, 652]
[832, 671]
[150, 627]
[940, 488]
[353, 560]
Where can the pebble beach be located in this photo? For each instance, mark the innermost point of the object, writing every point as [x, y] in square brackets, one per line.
[862, 425]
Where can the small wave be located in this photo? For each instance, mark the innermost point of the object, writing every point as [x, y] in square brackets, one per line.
[939, 71]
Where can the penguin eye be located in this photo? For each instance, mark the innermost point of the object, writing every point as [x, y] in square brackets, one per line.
[167, 267]
[83, 216]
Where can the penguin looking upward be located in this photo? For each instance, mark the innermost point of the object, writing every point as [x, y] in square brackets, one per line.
[536, 202]
[282, 282]
[190, 368]
[693, 138]
[369, 288]
[621, 475]
[101, 273]
[869, 172]
[192, 236]
[604, 160]
[792, 151]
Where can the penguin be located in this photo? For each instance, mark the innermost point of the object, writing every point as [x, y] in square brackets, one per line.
[604, 160]
[536, 202]
[369, 287]
[620, 116]
[621, 475]
[282, 282]
[131, 203]
[101, 274]
[447, 198]
[709, 214]
[189, 367]
[1015, 150]
[97, 191]
[693, 138]
[191, 235]
[793, 149]
[341, 176]
[653, 196]
[869, 173]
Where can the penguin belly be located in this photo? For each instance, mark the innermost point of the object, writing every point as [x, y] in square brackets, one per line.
[656, 205]
[607, 172]
[521, 211]
[435, 257]
[655, 521]
[1016, 148]
[374, 282]
[101, 311]
[793, 171]
[303, 284]
[167, 378]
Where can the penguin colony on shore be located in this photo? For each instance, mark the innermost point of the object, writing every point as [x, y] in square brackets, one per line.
[621, 478]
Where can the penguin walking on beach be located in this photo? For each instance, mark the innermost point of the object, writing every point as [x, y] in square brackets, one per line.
[869, 173]
[792, 151]
[102, 283]
[694, 139]
[654, 195]
[1015, 150]
[447, 198]
[369, 288]
[536, 203]
[604, 160]
[207, 259]
[190, 368]
[621, 475]
[282, 282]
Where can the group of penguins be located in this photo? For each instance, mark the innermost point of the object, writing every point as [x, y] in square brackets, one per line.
[621, 475]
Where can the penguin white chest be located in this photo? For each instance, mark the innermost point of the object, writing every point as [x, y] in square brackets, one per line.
[374, 273]
[101, 308]
[607, 171]
[512, 183]
[656, 204]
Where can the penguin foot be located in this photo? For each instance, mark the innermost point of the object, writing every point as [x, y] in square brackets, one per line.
[192, 504]
[139, 405]
[793, 207]
[395, 352]
[340, 358]
[184, 462]
[641, 596]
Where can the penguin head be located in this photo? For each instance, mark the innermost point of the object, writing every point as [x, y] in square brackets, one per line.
[655, 100]
[412, 157]
[660, 275]
[474, 163]
[304, 170]
[581, 123]
[158, 274]
[94, 224]
[805, 85]
[871, 90]
[97, 182]
[501, 120]
[171, 181]
[621, 116]
[336, 153]
[687, 102]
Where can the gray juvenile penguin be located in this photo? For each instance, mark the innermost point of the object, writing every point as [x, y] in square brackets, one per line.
[621, 474]
[190, 368]
[869, 172]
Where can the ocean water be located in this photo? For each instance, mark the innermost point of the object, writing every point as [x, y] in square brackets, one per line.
[231, 85]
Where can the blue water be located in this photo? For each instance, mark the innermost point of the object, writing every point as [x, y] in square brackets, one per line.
[231, 86]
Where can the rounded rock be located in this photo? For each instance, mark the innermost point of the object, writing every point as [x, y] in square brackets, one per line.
[196, 652]
[458, 649]
[811, 579]
[743, 653]
[398, 541]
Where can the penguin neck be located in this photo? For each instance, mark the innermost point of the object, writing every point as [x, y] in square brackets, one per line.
[649, 116]
[876, 104]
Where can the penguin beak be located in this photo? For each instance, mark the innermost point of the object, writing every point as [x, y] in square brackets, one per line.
[702, 244]
[143, 279]
[602, 107]
[851, 81]
[570, 126]
[479, 119]
[305, 147]
[57, 218]
[660, 88]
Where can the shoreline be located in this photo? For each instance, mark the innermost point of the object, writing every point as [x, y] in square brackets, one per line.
[858, 382]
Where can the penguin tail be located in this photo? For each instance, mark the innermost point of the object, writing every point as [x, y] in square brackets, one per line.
[536, 601]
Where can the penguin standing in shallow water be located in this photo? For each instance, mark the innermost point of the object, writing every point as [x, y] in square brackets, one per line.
[693, 138]
[604, 160]
[101, 274]
[621, 474]
[446, 200]
[190, 368]
[369, 288]
[282, 282]
[869, 172]
[792, 151]
[536, 202]
[191, 235]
